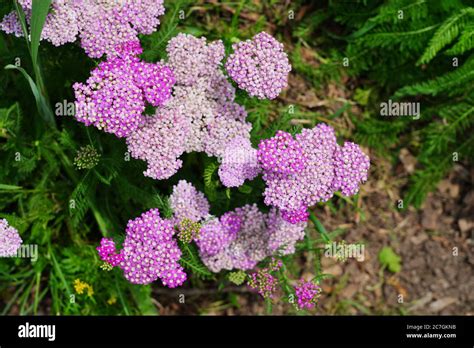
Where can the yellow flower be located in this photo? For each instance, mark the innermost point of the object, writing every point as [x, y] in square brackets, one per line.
[112, 300]
[80, 286]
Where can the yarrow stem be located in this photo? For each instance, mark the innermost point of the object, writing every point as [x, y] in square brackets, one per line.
[319, 227]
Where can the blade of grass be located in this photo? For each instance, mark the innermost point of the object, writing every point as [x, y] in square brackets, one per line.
[319, 227]
[41, 103]
[24, 28]
[39, 11]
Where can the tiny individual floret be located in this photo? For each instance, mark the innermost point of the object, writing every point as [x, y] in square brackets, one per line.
[238, 277]
[259, 66]
[87, 157]
[187, 202]
[307, 294]
[10, 240]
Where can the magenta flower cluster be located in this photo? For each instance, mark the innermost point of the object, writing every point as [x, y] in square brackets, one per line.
[351, 167]
[213, 237]
[108, 252]
[307, 294]
[101, 25]
[114, 96]
[324, 167]
[259, 66]
[217, 234]
[10, 240]
[160, 143]
[149, 251]
[281, 154]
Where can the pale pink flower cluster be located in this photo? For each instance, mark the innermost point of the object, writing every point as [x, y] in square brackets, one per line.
[188, 203]
[101, 25]
[203, 107]
[238, 239]
[260, 66]
[260, 235]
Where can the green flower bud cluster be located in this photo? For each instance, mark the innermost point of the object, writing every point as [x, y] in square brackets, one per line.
[87, 157]
[238, 277]
[188, 230]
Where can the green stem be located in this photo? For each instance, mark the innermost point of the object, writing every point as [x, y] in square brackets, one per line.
[67, 166]
[47, 112]
[319, 227]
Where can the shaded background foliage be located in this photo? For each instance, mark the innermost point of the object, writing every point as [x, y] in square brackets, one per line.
[66, 212]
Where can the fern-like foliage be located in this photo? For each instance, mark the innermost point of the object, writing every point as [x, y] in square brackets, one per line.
[422, 51]
[465, 42]
[190, 259]
[462, 76]
[446, 33]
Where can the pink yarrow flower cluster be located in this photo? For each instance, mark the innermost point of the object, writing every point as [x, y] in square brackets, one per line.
[115, 95]
[306, 170]
[260, 66]
[239, 162]
[10, 240]
[100, 25]
[149, 251]
[108, 252]
[281, 154]
[259, 236]
[187, 202]
[213, 237]
[206, 116]
[238, 239]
